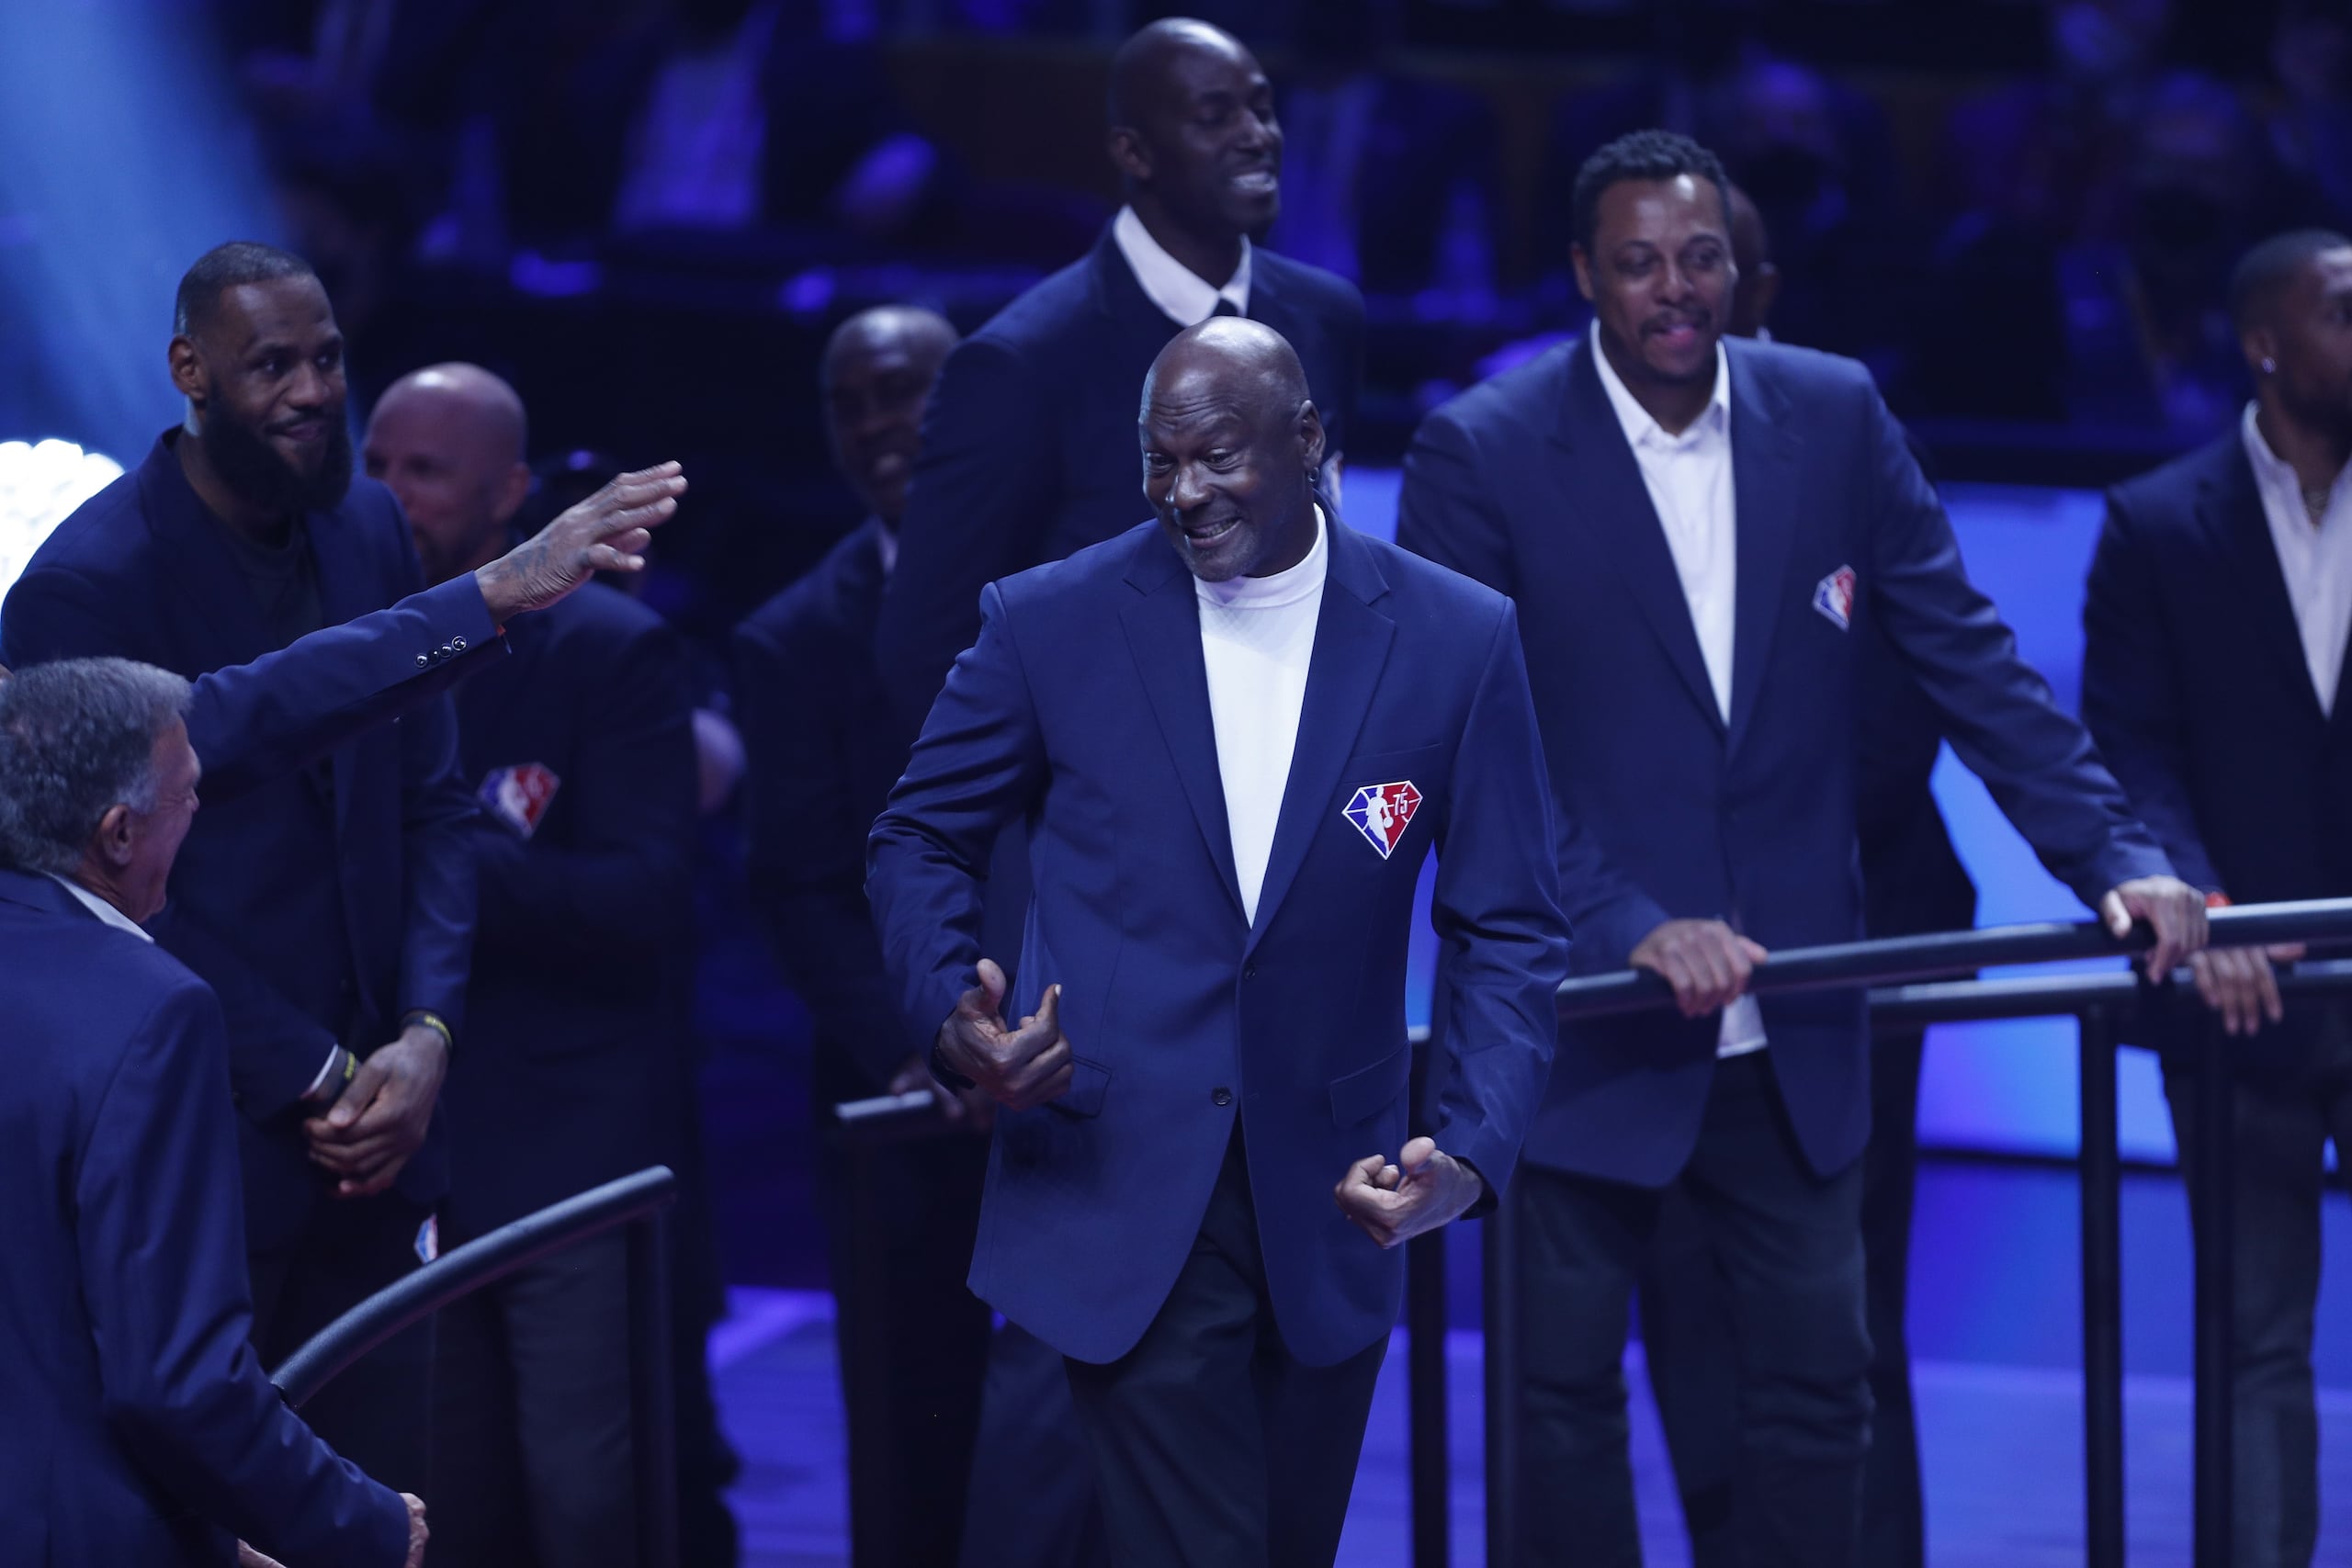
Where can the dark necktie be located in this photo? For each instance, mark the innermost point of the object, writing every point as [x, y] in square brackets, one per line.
[1226, 307]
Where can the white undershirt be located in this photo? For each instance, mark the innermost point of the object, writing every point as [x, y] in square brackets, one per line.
[2315, 559]
[100, 907]
[1257, 639]
[1689, 480]
[1184, 296]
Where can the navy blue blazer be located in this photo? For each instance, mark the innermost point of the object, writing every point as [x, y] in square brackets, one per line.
[320, 904]
[1526, 484]
[1029, 447]
[2195, 684]
[139, 1428]
[822, 751]
[575, 1013]
[1085, 709]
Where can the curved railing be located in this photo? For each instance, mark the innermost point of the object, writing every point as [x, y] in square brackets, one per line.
[636, 1201]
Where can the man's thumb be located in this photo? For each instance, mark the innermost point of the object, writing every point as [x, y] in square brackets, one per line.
[992, 981]
[363, 1087]
[1050, 1011]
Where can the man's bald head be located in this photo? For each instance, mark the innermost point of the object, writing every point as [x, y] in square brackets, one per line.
[451, 441]
[1751, 252]
[880, 368]
[1231, 446]
[1193, 133]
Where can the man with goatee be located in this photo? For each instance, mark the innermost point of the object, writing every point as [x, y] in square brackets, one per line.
[330, 909]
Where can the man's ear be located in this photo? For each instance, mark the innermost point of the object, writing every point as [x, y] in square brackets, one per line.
[1311, 438]
[1581, 264]
[1129, 155]
[2259, 343]
[187, 369]
[512, 490]
[114, 838]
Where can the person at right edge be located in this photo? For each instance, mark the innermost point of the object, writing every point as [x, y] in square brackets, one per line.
[2219, 609]
[1702, 535]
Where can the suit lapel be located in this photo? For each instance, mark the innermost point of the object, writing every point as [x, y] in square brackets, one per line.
[1763, 466]
[1601, 479]
[2231, 509]
[1352, 643]
[1163, 627]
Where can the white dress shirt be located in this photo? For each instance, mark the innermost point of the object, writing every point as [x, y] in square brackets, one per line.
[1689, 480]
[2314, 558]
[1258, 639]
[100, 907]
[1184, 296]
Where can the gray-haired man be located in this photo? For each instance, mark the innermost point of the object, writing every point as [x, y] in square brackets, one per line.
[142, 1428]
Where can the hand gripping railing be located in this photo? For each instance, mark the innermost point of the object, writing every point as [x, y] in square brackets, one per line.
[2102, 1003]
[637, 1202]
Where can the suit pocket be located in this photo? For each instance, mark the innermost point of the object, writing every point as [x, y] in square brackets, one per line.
[1089, 1082]
[1364, 1093]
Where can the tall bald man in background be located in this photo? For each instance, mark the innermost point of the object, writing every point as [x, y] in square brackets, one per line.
[1028, 452]
[578, 750]
[824, 752]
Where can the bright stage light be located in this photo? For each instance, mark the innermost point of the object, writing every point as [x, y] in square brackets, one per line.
[41, 483]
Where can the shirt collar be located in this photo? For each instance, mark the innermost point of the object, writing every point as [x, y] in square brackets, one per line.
[1183, 295]
[99, 906]
[2272, 471]
[1639, 427]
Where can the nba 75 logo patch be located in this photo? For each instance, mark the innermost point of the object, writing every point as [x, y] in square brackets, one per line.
[1834, 597]
[519, 797]
[1382, 812]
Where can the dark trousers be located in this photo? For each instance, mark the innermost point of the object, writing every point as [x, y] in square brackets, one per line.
[1214, 1447]
[913, 1343]
[531, 1453]
[378, 1414]
[1790, 1247]
[1694, 1362]
[2280, 1135]
[1033, 1503]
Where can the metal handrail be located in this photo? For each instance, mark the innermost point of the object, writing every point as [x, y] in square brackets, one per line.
[1853, 964]
[2101, 1003]
[636, 1201]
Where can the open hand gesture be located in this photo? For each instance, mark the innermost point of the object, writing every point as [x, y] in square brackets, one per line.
[604, 533]
[1019, 1068]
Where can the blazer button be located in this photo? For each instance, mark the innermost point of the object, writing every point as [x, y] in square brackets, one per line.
[1251, 973]
[1220, 1096]
[459, 643]
[422, 660]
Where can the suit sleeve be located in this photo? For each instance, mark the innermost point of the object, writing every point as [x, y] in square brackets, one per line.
[1503, 943]
[807, 854]
[977, 511]
[2035, 760]
[980, 764]
[627, 873]
[253, 723]
[438, 846]
[2129, 694]
[279, 1049]
[159, 1219]
[1447, 514]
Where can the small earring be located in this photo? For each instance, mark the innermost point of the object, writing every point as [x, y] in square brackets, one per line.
[2269, 366]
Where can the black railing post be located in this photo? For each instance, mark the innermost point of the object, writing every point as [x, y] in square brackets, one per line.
[2100, 1174]
[653, 1410]
[1505, 1451]
[1425, 1345]
[2211, 1181]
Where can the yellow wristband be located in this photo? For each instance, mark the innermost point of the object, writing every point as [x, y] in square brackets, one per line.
[432, 1020]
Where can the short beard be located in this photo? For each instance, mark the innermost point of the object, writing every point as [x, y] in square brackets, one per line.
[255, 472]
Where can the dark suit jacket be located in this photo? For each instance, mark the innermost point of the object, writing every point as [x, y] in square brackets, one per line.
[1913, 880]
[1084, 707]
[1527, 483]
[320, 904]
[822, 753]
[139, 1429]
[575, 1013]
[1029, 448]
[2195, 684]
